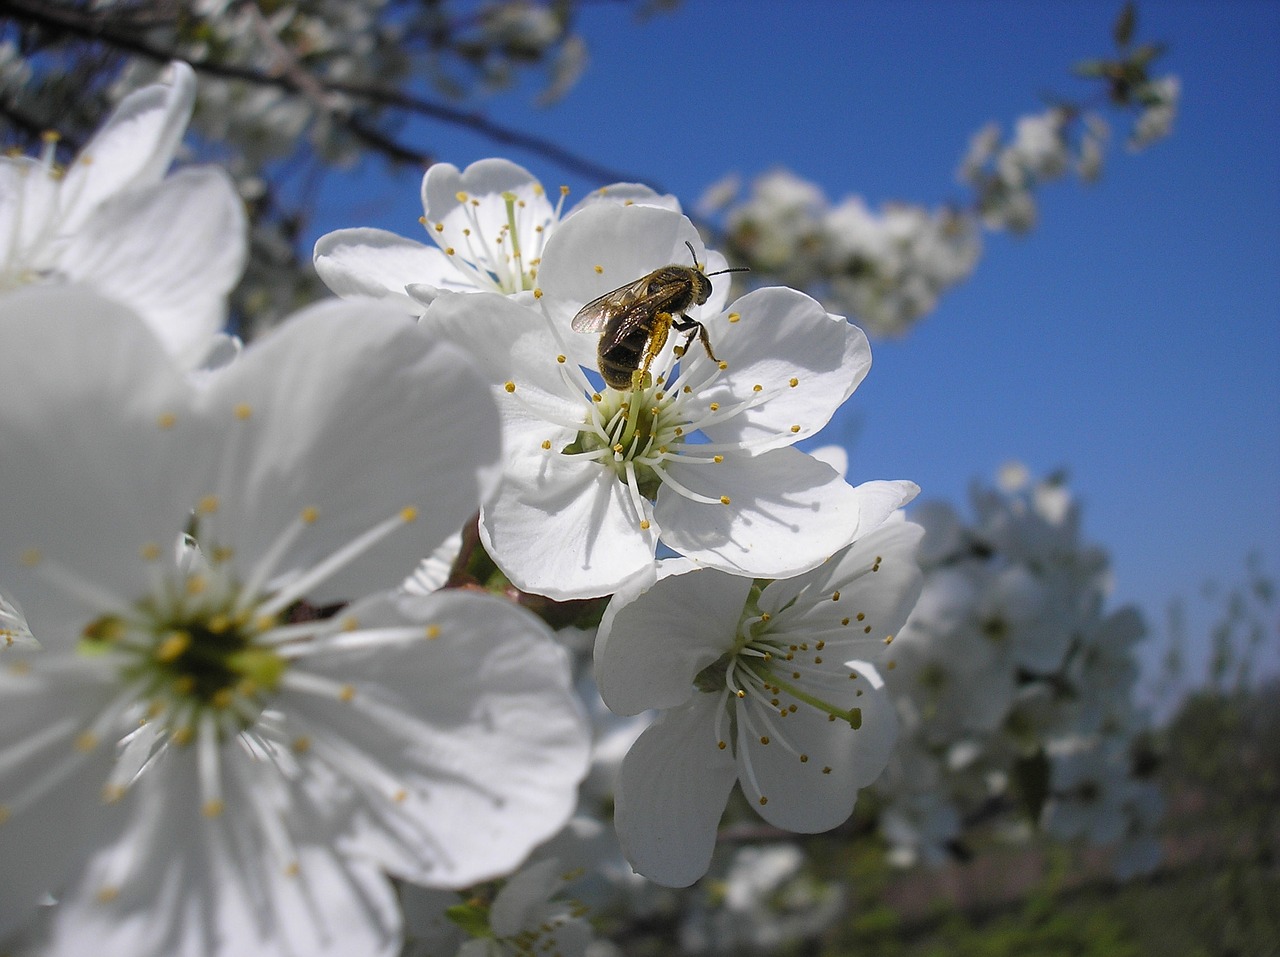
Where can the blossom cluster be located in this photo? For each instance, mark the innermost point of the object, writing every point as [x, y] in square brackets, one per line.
[1014, 684]
[239, 713]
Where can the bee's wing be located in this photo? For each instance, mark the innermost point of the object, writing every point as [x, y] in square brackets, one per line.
[595, 315]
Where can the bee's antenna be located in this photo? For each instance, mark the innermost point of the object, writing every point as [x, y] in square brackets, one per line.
[720, 272]
[691, 252]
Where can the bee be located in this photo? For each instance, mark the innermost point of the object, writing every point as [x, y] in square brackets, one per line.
[637, 318]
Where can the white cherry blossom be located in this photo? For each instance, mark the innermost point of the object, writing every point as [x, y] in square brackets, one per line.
[195, 764]
[768, 687]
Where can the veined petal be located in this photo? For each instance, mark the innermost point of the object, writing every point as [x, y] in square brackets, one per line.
[786, 513]
[475, 720]
[647, 655]
[133, 148]
[378, 263]
[178, 881]
[806, 779]
[189, 230]
[781, 344]
[103, 454]
[414, 426]
[672, 790]
[566, 528]
[43, 840]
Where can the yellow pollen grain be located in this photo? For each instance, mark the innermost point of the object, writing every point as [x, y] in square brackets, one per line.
[734, 316]
[106, 894]
[721, 745]
[715, 406]
[598, 268]
[546, 444]
[243, 411]
[409, 514]
[795, 428]
[509, 386]
[793, 383]
[347, 693]
[724, 499]
[173, 646]
[213, 807]
[644, 525]
[433, 632]
[207, 505]
[86, 741]
[166, 420]
[149, 552]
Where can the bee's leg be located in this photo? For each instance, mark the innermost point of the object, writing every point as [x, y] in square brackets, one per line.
[693, 326]
[662, 325]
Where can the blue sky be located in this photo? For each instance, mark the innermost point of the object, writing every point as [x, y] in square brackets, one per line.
[1133, 338]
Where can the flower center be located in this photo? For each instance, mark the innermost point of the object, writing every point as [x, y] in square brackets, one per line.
[505, 260]
[191, 649]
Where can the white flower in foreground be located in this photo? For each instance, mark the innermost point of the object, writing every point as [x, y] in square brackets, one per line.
[767, 687]
[170, 248]
[190, 765]
[699, 458]
[490, 223]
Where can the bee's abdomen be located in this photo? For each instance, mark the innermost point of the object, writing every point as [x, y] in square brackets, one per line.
[621, 356]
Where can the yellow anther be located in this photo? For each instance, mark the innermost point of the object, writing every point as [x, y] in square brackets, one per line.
[722, 365]
[644, 524]
[460, 196]
[150, 552]
[509, 386]
[31, 557]
[888, 639]
[409, 514]
[560, 359]
[400, 796]
[715, 406]
[106, 894]
[804, 759]
[182, 736]
[347, 693]
[763, 800]
[598, 268]
[564, 190]
[596, 397]
[734, 316]
[724, 499]
[86, 741]
[309, 515]
[220, 554]
[835, 596]
[213, 807]
[243, 411]
[207, 505]
[292, 869]
[757, 387]
[546, 444]
[196, 585]
[301, 744]
[721, 745]
[439, 227]
[861, 616]
[173, 646]
[166, 420]
[449, 250]
[717, 459]
[433, 632]
[537, 293]
[218, 623]
[793, 383]
[111, 793]
[222, 699]
[764, 739]
[795, 428]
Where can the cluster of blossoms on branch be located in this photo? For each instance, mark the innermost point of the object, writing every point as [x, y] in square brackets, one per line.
[1015, 686]
[235, 719]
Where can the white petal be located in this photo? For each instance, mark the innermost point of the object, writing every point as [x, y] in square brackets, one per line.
[378, 263]
[651, 648]
[172, 252]
[133, 148]
[817, 794]
[787, 513]
[780, 337]
[605, 246]
[476, 721]
[565, 528]
[176, 883]
[351, 409]
[671, 792]
[102, 452]
[42, 844]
